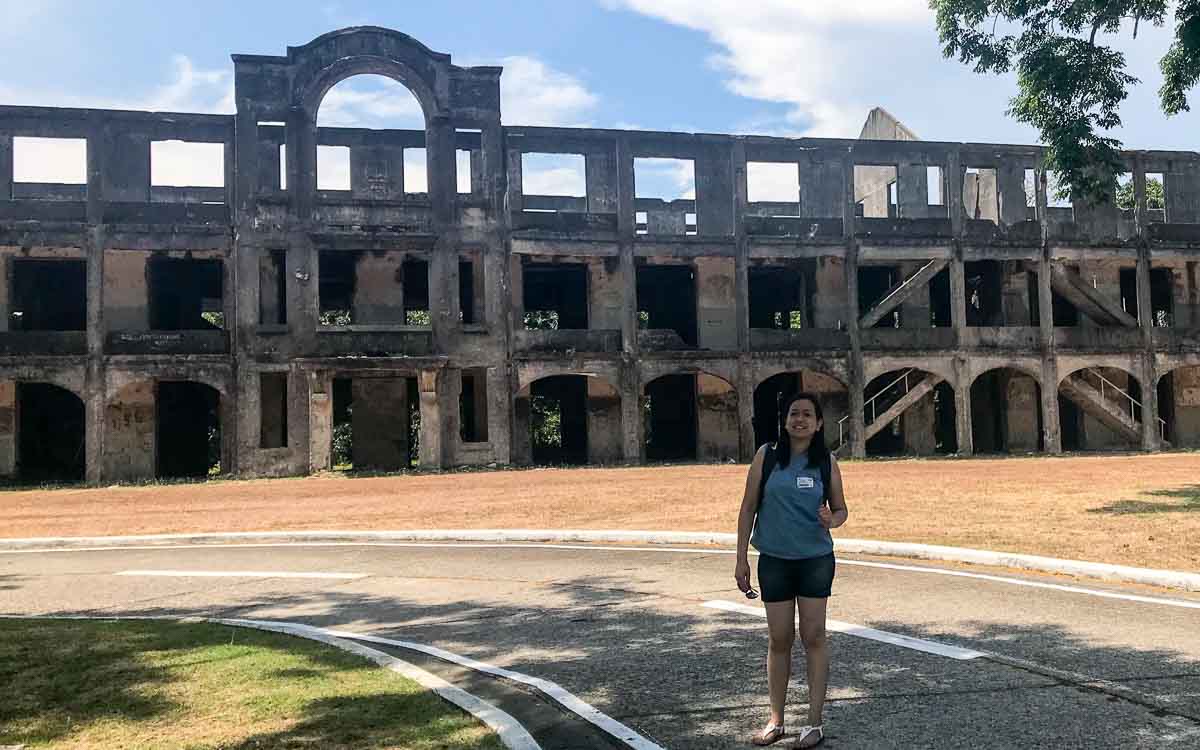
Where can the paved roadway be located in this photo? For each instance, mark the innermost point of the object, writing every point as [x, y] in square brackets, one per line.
[625, 630]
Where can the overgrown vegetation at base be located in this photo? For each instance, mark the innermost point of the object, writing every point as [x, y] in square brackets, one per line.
[93, 684]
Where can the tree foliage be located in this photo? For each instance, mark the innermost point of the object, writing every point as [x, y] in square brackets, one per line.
[1070, 85]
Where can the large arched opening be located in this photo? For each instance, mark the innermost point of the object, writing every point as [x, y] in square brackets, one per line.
[570, 419]
[1179, 406]
[1100, 409]
[1006, 412]
[909, 412]
[832, 394]
[690, 417]
[50, 435]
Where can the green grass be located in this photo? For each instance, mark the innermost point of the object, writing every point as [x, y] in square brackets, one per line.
[135, 684]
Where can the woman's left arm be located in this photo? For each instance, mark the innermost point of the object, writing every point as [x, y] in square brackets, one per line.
[837, 497]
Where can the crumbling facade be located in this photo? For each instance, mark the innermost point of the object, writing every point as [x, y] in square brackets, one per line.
[933, 294]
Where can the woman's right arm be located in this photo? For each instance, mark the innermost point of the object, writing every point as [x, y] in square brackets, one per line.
[746, 520]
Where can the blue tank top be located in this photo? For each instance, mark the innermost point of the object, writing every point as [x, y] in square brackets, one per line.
[787, 525]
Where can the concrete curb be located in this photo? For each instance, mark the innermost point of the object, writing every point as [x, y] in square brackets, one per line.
[1100, 571]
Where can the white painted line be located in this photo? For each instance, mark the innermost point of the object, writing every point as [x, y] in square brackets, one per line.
[551, 689]
[240, 574]
[1164, 601]
[511, 733]
[1185, 604]
[861, 631]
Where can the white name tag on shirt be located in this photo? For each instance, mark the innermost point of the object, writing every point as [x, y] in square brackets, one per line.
[805, 483]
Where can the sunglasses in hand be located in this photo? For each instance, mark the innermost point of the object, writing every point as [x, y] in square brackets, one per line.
[750, 593]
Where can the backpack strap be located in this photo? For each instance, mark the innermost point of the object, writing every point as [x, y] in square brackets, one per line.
[768, 465]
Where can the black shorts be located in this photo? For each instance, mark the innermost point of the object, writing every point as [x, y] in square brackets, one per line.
[783, 580]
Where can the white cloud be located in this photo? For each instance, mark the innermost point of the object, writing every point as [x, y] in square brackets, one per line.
[668, 179]
[532, 93]
[371, 101]
[772, 182]
[553, 174]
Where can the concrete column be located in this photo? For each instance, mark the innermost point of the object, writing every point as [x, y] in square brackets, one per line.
[6, 167]
[958, 292]
[632, 428]
[745, 407]
[962, 406]
[954, 192]
[379, 289]
[600, 168]
[95, 387]
[301, 162]
[320, 421]
[432, 429]
[604, 441]
[625, 228]
[858, 429]
[1151, 432]
[741, 291]
[499, 415]
[1051, 423]
[1051, 426]
[8, 428]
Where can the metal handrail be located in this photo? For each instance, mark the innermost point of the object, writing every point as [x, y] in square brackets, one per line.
[871, 403]
[1133, 402]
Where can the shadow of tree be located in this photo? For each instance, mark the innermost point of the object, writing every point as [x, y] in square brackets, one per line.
[694, 678]
[1186, 500]
[9, 582]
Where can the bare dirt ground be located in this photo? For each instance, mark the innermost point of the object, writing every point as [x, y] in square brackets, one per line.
[1128, 509]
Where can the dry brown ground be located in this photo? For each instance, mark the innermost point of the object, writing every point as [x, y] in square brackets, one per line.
[1134, 510]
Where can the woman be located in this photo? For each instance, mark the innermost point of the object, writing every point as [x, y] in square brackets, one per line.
[795, 566]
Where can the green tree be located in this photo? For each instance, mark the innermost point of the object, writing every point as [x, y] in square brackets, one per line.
[1154, 195]
[1069, 84]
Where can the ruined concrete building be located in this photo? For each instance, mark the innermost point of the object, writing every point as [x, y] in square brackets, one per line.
[935, 295]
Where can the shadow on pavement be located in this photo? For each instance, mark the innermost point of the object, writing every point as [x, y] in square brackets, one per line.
[694, 678]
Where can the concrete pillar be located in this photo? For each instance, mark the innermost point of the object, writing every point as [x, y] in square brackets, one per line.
[129, 420]
[432, 429]
[858, 384]
[716, 282]
[605, 294]
[832, 307]
[920, 427]
[632, 426]
[6, 167]
[915, 311]
[522, 441]
[954, 192]
[320, 421]
[962, 406]
[912, 191]
[499, 414]
[625, 228]
[600, 174]
[745, 406]
[8, 428]
[1151, 431]
[377, 172]
[717, 429]
[126, 172]
[715, 194]
[1021, 408]
[95, 386]
[958, 293]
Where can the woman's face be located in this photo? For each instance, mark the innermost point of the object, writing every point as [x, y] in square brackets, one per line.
[801, 421]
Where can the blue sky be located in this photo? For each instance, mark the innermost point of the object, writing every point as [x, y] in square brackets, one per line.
[779, 67]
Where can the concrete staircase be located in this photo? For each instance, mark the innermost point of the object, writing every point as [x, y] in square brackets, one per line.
[912, 395]
[1112, 413]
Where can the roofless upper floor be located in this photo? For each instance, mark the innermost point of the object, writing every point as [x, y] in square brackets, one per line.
[481, 173]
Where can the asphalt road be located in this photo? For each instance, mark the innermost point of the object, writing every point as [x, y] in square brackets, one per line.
[625, 630]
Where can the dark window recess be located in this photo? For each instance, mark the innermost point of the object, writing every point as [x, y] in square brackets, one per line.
[1162, 297]
[335, 288]
[555, 295]
[416, 292]
[666, 299]
[273, 409]
[272, 288]
[779, 297]
[939, 299]
[1129, 295]
[874, 283]
[185, 295]
[985, 293]
[466, 291]
[48, 295]
[472, 407]
[187, 429]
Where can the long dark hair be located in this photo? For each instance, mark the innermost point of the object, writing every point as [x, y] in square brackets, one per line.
[818, 451]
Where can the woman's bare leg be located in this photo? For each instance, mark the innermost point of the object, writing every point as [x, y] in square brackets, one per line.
[816, 653]
[781, 626]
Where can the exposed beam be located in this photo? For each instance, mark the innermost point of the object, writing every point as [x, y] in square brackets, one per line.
[1088, 300]
[895, 410]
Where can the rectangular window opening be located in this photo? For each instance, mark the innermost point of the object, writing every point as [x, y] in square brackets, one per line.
[470, 290]
[187, 164]
[186, 294]
[415, 274]
[779, 297]
[33, 309]
[1156, 197]
[776, 184]
[1057, 191]
[937, 187]
[472, 406]
[1030, 188]
[554, 182]
[333, 168]
[272, 288]
[337, 277]
[667, 294]
[416, 171]
[665, 190]
[462, 170]
[49, 161]
[981, 194]
[283, 166]
[555, 296]
[875, 190]
[273, 403]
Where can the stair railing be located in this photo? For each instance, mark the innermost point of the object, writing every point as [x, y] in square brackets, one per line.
[870, 403]
[1134, 404]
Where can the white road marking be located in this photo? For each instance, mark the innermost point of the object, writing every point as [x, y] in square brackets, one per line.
[860, 631]
[553, 690]
[240, 574]
[1182, 603]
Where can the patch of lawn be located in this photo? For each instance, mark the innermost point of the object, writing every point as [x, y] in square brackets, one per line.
[90, 684]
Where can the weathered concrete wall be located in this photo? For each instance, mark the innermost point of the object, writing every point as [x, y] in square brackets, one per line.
[716, 418]
[715, 284]
[919, 424]
[830, 300]
[129, 449]
[1186, 386]
[603, 422]
[1021, 409]
[379, 289]
[126, 296]
[606, 294]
